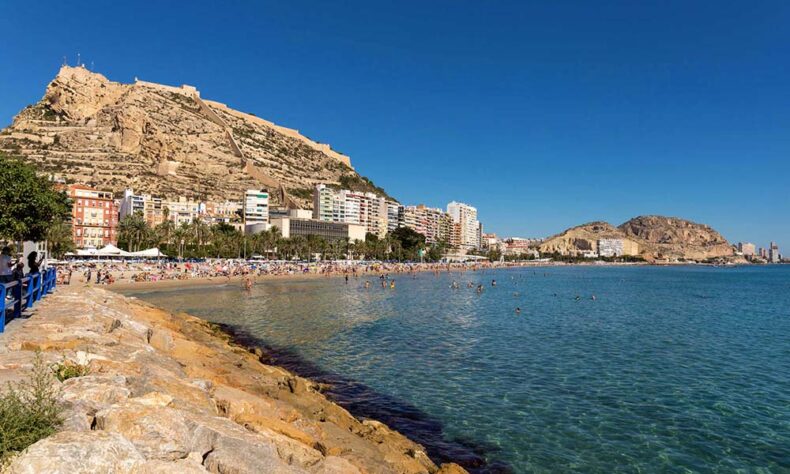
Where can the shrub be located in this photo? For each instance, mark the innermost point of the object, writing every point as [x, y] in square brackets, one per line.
[29, 411]
[67, 370]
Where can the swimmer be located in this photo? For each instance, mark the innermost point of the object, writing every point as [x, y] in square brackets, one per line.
[578, 298]
[247, 283]
[367, 284]
[493, 282]
[593, 298]
[518, 310]
[392, 284]
[479, 288]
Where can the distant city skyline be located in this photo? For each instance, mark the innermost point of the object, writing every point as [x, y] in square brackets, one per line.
[541, 116]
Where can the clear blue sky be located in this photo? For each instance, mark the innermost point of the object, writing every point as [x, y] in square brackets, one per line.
[542, 114]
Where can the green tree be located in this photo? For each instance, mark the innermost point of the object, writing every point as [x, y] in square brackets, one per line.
[406, 243]
[30, 203]
[134, 232]
[60, 239]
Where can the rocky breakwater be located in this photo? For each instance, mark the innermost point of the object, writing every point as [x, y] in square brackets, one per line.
[170, 393]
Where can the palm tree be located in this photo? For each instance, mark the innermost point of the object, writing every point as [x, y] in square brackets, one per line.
[134, 230]
[59, 239]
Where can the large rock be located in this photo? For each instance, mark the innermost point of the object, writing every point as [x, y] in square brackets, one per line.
[71, 452]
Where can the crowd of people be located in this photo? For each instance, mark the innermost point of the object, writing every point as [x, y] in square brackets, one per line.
[110, 272]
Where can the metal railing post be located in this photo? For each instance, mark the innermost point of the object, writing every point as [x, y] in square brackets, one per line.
[17, 292]
[2, 306]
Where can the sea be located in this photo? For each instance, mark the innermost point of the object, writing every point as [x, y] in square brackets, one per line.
[604, 368]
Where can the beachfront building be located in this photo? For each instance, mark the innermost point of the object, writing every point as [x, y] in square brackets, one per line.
[94, 216]
[466, 230]
[183, 210]
[610, 247]
[394, 215]
[223, 212]
[153, 209]
[746, 249]
[351, 207]
[433, 223]
[293, 226]
[256, 206]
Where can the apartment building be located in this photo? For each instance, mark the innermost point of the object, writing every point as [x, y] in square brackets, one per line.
[94, 216]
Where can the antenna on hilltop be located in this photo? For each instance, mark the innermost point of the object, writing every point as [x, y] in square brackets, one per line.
[92, 68]
[65, 63]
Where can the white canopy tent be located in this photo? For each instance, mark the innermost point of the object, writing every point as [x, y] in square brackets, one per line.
[148, 253]
[113, 251]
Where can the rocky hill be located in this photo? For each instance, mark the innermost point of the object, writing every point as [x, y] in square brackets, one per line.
[168, 141]
[582, 238]
[671, 237]
[651, 237]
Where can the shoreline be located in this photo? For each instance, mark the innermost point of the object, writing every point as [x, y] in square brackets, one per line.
[175, 284]
[169, 392]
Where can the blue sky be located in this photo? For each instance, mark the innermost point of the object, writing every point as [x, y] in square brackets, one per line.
[544, 115]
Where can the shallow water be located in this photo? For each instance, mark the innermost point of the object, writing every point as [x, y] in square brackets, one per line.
[668, 370]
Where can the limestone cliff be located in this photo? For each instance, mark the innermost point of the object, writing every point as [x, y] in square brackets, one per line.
[167, 141]
[671, 237]
[168, 394]
[651, 237]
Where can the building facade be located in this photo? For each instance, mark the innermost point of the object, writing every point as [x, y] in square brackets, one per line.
[773, 253]
[352, 207]
[747, 249]
[433, 223]
[94, 217]
[466, 228]
[290, 227]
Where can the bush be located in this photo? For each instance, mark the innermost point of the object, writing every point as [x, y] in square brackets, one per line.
[29, 411]
[67, 370]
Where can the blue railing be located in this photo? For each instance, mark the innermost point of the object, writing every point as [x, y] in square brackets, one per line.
[22, 294]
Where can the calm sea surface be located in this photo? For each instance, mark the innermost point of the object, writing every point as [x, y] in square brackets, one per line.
[668, 370]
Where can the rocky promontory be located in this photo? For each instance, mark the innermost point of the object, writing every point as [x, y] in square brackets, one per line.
[164, 392]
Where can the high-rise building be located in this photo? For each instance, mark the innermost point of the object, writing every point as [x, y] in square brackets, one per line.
[773, 253]
[352, 207]
[433, 223]
[746, 249]
[256, 209]
[131, 204]
[466, 234]
[394, 215]
[94, 216]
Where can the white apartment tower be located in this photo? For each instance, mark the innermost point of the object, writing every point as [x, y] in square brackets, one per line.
[467, 226]
[351, 207]
[256, 207]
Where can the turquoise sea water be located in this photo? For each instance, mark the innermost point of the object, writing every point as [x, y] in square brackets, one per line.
[683, 369]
